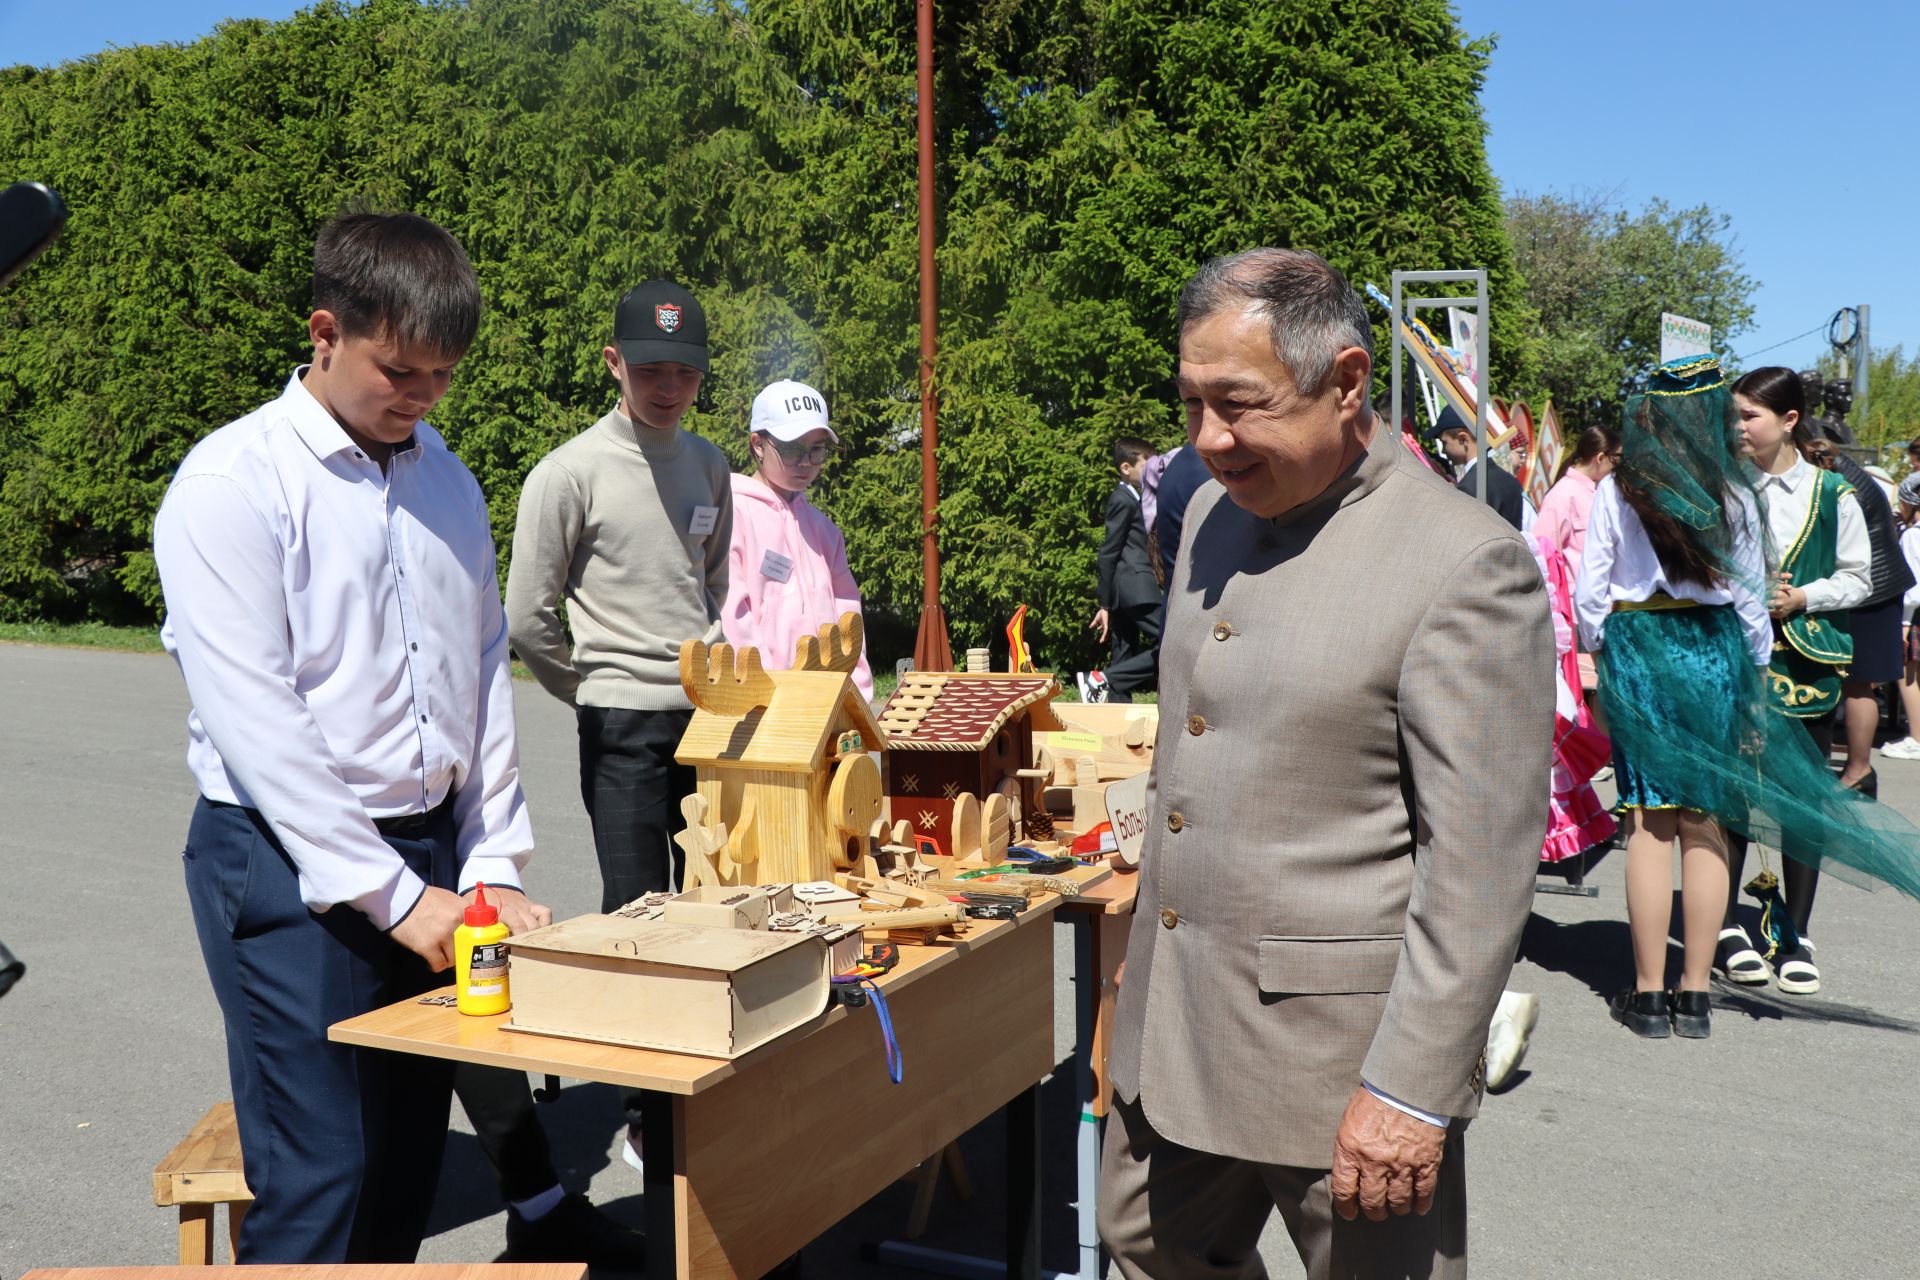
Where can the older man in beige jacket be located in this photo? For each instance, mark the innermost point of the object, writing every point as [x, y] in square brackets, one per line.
[1346, 812]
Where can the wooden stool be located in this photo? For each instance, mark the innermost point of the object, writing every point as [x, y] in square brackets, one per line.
[204, 1171]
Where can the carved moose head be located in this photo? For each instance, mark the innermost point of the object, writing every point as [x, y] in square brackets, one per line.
[836, 648]
[723, 682]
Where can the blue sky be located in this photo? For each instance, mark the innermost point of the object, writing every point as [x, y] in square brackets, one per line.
[1787, 116]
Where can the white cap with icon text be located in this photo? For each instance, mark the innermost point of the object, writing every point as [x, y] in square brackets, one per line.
[787, 410]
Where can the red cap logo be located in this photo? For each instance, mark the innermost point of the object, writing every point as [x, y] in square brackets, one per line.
[667, 316]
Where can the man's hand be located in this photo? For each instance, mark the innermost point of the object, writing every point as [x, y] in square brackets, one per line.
[1099, 624]
[518, 912]
[428, 929]
[1384, 1160]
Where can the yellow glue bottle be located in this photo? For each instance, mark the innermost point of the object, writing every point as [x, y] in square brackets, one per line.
[480, 959]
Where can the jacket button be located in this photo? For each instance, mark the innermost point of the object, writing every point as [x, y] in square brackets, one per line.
[1169, 917]
[1196, 725]
[1175, 821]
[1221, 630]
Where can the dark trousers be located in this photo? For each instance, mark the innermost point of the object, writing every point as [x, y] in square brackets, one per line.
[342, 1146]
[1798, 881]
[1135, 630]
[632, 787]
[500, 1105]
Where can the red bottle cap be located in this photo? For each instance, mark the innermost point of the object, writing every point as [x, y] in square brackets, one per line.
[482, 913]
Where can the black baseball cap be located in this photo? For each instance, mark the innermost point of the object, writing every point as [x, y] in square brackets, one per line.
[660, 321]
[1449, 420]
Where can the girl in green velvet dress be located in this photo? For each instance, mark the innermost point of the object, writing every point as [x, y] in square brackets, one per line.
[1821, 562]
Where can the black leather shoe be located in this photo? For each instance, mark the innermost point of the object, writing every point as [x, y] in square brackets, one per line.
[1868, 785]
[575, 1231]
[1642, 1012]
[1691, 1013]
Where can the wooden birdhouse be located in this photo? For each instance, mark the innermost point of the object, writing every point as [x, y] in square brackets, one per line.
[786, 788]
[959, 758]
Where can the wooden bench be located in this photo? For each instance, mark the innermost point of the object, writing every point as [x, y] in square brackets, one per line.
[201, 1172]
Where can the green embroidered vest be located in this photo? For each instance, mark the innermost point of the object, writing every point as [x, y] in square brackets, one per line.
[1812, 651]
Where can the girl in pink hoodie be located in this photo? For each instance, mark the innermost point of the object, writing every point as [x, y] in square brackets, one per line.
[789, 575]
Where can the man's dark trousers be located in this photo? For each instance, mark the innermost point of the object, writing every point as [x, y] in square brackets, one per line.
[342, 1146]
[632, 787]
[1136, 650]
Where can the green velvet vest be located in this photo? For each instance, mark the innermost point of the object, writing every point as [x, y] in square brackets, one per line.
[1812, 651]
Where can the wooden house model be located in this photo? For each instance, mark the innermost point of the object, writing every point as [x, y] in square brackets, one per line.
[959, 761]
[787, 790]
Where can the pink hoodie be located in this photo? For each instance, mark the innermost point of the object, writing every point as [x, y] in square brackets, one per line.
[788, 576]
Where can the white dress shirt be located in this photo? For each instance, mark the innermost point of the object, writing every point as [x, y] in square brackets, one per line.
[343, 644]
[1910, 548]
[1619, 566]
[1789, 506]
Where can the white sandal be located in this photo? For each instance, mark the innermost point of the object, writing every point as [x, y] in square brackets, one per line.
[1738, 960]
[1797, 973]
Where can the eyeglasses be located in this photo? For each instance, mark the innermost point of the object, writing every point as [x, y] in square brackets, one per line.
[795, 454]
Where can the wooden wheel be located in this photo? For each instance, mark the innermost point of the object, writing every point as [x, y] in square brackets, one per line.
[965, 832]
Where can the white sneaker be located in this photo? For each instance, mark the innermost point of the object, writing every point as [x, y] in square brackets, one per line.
[1905, 749]
[1512, 1024]
[1080, 682]
[1603, 774]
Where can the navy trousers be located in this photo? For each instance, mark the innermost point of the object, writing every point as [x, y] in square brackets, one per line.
[342, 1146]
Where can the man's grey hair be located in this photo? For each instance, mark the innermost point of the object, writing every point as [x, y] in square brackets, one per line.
[1312, 313]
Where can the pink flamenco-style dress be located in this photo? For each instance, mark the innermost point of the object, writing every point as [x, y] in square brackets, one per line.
[1577, 820]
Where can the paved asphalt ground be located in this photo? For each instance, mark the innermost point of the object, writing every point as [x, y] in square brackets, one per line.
[1784, 1147]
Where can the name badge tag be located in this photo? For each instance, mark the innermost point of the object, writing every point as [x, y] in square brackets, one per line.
[704, 518]
[776, 566]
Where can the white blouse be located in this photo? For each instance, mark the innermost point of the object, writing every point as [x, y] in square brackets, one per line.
[1619, 566]
[1789, 506]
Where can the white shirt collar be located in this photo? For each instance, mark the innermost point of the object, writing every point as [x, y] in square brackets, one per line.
[319, 430]
[1790, 479]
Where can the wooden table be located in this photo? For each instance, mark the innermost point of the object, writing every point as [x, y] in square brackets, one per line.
[323, 1271]
[747, 1160]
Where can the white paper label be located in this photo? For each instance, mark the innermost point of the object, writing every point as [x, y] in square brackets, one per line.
[704, 518]
[776, 566]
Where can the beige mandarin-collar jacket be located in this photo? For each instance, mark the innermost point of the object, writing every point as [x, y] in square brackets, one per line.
[1349, 792]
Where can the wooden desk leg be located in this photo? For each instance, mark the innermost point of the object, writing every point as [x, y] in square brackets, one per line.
[196, 1235]
[1023, 1185]
[658, 1132]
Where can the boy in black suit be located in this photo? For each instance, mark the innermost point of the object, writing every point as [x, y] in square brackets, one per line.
[1455, 435]
[1129, 593]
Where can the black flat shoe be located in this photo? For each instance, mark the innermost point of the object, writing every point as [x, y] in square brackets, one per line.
[1867, 785]
[1642, 1012]
[1691, 1013]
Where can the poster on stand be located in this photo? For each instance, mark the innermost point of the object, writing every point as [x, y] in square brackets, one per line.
[1680, 337]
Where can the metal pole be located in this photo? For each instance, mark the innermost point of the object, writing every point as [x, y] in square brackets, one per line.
[1393, 328]
[1483, 391]
[932, 650]
[1865, 348]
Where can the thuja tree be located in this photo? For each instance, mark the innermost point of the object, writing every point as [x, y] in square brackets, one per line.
[1090, 156]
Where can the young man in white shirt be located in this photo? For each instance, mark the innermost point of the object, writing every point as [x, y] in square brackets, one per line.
[332, 604]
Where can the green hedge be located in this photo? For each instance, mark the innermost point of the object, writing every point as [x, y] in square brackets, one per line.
[1091, 154]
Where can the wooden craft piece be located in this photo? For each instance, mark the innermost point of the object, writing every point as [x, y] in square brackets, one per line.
[700, 842]
[967, 826]
[853, 806]
[904, 918]
[837, 647]
[997, 833]
[722, 682]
